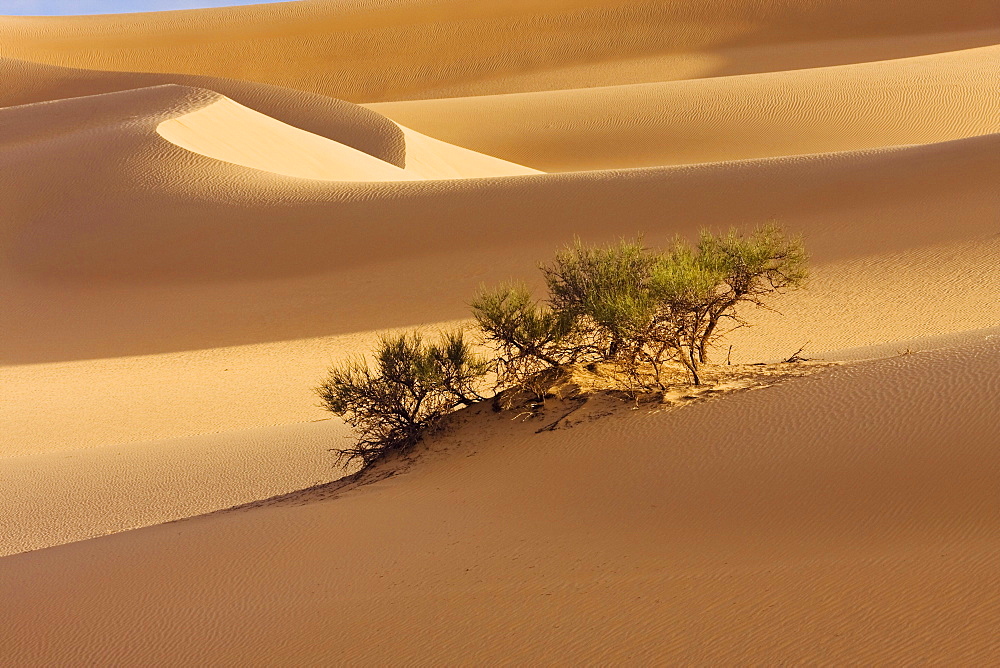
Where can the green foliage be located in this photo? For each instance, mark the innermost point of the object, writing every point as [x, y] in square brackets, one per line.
[516, 325]
[526, 337]
[751, 269]
[410, 387]
[631, 305]
[603, 291]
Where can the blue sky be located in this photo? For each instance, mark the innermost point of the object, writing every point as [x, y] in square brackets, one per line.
[64, 7]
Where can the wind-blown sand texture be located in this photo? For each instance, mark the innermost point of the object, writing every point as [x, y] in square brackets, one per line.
[200, 211]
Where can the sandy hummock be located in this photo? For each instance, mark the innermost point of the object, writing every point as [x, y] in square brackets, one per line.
[201, 211]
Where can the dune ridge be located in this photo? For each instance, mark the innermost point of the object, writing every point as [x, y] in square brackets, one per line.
[917, 100]
[956, 173]
[201, 211]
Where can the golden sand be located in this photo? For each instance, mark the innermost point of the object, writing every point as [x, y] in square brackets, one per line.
[200, 211]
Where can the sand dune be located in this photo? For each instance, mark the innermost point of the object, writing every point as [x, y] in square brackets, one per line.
[226, 237]
[198, 216]
[852, 107]
[757, 526]
[366, 52]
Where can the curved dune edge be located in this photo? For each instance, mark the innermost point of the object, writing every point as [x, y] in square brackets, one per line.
[324, 226]
[63, 496]
[894, 519]
[337, 120]
[227, 131]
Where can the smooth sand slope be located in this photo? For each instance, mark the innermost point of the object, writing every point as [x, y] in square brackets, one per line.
[846, 517]
[869, 105]
[191, 231]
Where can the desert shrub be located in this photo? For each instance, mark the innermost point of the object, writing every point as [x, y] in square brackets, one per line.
[626, 305]
[604, 292]
[526, 337]
[597, 310]
[681, 288]
[751, 269]
[638, 307]
[411, 386]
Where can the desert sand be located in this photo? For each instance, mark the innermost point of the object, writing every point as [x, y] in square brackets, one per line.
[201, 211]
